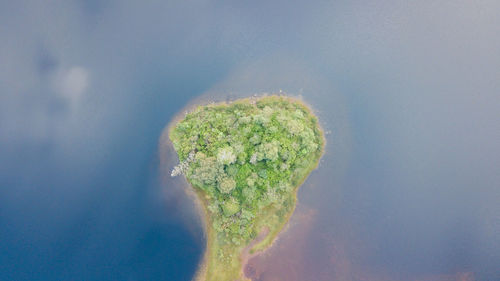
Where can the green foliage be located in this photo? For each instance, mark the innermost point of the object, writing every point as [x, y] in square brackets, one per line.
[225, 155]
[248, 158]
[226, 185]
[230, 207]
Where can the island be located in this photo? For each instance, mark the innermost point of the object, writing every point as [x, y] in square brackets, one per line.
[245, 160]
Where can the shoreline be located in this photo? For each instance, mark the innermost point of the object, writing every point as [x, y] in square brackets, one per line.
[246, 254]
[165, 147]
[265, 239]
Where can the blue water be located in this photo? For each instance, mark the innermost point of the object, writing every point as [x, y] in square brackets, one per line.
[407, 91]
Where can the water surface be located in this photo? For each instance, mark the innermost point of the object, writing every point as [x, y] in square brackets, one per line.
[408, 188]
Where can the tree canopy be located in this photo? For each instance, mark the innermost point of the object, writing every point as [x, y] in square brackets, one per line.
[246, 158]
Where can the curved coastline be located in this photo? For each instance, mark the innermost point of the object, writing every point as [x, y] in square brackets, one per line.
[266, 238]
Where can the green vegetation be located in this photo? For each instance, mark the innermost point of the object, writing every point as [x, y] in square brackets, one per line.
[245, 160]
